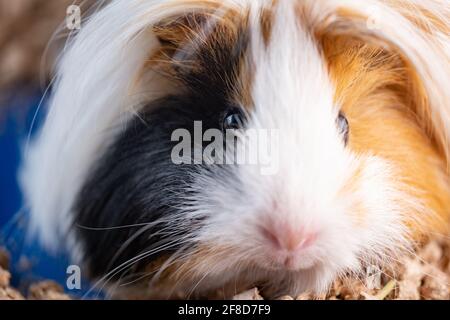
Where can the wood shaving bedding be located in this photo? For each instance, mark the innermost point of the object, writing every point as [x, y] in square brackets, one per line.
[426, 276]
[46, 290]
[28, 43]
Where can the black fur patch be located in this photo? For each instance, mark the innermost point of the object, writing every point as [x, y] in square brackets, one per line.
[136, 182]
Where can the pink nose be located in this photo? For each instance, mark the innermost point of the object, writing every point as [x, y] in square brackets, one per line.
[287, 238]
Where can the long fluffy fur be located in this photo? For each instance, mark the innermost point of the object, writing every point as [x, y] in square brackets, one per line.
[103, 79]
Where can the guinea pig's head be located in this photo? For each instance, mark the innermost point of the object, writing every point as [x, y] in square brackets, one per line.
[346, 116]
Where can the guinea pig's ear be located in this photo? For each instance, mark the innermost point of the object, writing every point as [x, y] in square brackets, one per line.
[204, 50]
[173, 32]
[419, 34]
[180, 35]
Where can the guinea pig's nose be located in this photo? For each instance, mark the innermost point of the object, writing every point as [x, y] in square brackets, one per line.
[287, 238]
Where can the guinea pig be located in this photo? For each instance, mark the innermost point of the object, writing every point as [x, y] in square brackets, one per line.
[357, 92]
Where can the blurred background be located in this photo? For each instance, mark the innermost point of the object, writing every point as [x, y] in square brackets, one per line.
[32, 35]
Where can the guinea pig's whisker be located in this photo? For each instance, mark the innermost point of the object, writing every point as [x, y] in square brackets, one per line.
[131, 239]
[128, 243]
[191, 292]
[106, 278]
[179, 255]
[181, 275]
[111, 276]
[112, 291]
[239, 267]
[180, 240]
[140, 276]
[117, 227]
[137, 277]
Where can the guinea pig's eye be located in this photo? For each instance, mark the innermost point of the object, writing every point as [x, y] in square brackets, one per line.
[343, 127]
[234, 119]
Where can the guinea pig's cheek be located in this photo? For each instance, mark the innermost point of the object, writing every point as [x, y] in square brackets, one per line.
[364, 191]
[377, 204]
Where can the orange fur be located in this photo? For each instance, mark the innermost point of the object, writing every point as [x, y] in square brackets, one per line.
[426, 102]
[421, 16]
[266, 21]
[200, 37]
[373, 87]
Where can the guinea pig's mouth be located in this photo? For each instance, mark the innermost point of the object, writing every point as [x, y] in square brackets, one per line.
[284, 247]
[278, 280]
[292, 262]
[274, 260]
[201, 275]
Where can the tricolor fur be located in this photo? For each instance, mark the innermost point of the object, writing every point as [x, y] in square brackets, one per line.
[141, 68]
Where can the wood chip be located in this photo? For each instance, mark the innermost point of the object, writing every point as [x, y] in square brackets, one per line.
[252, 294]
[5, 277]
[285, 298]
[47, 290]
[304, 296]
[4, 258]
[425, 275]
[10, 294]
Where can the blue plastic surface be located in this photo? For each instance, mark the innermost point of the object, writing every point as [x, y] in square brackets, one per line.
[29, 261]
